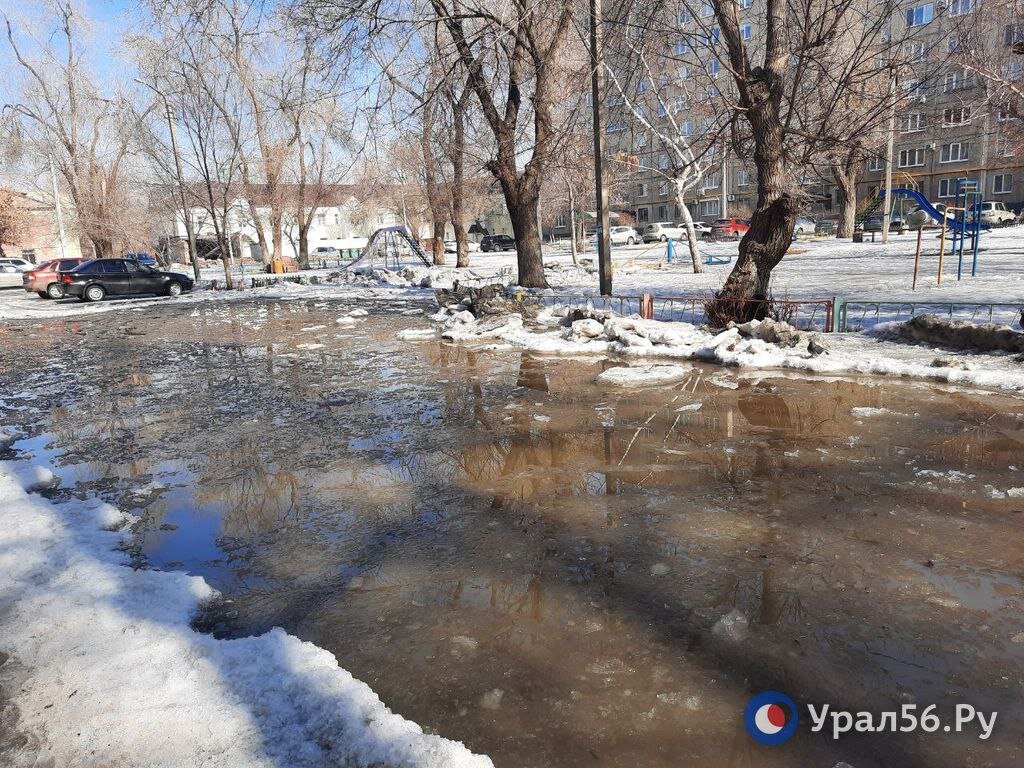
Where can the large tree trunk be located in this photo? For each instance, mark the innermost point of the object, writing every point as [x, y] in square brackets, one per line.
[224, 246]
[691, 233]
[435, 195]
[846, 185]
[745, 295]
[522, 201]
[276, 232]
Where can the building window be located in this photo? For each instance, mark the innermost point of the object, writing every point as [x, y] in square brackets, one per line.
[746, 31]
[956, 116]
[712, 181]
[947, 187]
[560, 220]
[961, 7]
[1013, 70]
[707, 10]
[911, 158]
[1002, 183]
[663, 189]
[687, 128]
[680, 48]
[914, 88]
[1013, 34]
[714, 67]
[876, 164]
[640, 140]
[957, 80]
[615, 126]
[661, 109]
[916, 52]
[662, 212]
[913, 122]
[663, 162]
[683, 17]
[920, 14]
[709, 207]
[643, 214]
[953, 153]
[1004, 147]
[742, 178]
[641, 189]
[1004, 115]
[953, 44]
[745, 4]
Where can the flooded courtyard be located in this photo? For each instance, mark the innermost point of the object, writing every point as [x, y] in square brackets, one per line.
[554, 571]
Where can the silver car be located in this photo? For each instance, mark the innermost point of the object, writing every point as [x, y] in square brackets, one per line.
[624, 236]
[660, 231]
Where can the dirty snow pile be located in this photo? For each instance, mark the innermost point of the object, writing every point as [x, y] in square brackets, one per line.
[105, 668]
[756, 344]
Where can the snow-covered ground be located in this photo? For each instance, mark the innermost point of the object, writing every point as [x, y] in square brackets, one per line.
[105, 668]
[813, 269]
[753, 345]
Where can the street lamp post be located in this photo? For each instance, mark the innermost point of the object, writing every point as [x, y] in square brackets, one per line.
[604, 240]
[186, 215]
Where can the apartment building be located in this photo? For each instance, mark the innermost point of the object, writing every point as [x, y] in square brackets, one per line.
[952, 124]
[949, 124]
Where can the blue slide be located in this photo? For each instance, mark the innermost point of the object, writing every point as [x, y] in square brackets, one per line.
[952, 225]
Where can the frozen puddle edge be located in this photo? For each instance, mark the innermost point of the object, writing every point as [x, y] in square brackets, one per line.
[109, 666]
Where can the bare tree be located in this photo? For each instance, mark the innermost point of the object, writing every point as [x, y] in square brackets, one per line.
[62, 114]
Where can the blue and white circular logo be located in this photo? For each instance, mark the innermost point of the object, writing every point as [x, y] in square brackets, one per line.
[770, 717]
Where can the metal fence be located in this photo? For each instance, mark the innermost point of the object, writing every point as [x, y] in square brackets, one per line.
[812, 314]
[861, 314]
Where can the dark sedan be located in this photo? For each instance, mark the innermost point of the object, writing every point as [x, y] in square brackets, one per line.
[498, 243]
[95, 280]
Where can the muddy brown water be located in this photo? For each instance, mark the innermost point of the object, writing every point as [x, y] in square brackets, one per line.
[554, 571]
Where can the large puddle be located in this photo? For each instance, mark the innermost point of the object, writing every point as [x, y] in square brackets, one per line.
[556, 572]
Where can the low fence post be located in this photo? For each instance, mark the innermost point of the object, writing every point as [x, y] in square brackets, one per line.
[837, 309]
[647, 306]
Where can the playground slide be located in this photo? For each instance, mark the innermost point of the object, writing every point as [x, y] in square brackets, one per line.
[952, 224]
[386, 241]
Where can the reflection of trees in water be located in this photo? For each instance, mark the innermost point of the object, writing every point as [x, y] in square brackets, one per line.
[255, 497]
[765, 596]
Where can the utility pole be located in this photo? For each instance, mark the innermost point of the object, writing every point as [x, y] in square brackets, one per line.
[57, 208]
[185, 212]
[604, 241]
[887, 204]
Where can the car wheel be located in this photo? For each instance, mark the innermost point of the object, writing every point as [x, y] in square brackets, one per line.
[630, 241]
[53, 291]
[173, 289]
[95, 293]
[663, 239]
[736, 235]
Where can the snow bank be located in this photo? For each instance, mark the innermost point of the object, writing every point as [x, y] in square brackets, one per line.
[108, 667]
[752, 345]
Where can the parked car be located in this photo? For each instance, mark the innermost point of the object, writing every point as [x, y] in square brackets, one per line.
[95, 279]
[498, 243]
[325, 252]
[22, 265]
[10, 276]
[624, 235]
[996, 214]
[873, 223]
[45, 278]
[660, 231]
[804, 226]
[450, 246]
[701, 228]
[728, 228]
[143, 258]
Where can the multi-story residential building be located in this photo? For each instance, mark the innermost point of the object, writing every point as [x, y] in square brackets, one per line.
[949, 123]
